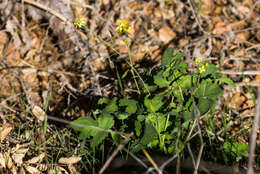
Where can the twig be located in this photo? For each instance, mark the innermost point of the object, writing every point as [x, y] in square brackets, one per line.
[230, 72]
[199, 158]
[254, 135]
[121, 145]
[53, 12]
[135, 158]
[196, 17]
[150, 159]
[167, 162]
[191, 154]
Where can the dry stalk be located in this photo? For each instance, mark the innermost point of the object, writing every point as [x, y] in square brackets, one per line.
[253, 136]
[121, 145]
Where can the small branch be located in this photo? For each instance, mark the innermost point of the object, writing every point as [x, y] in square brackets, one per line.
[198, 160]
[230, 72]
[253, 136]
[150, 159]
[167, 162]
[53, 12]
[106, 165]
[196, 17]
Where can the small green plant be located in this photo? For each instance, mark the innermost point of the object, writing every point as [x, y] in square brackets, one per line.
[162, 115]
[236, 150]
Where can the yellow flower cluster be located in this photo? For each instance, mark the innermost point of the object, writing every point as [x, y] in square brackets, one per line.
[122, 26]
[201, 67]
[80, 23]
[198, 60]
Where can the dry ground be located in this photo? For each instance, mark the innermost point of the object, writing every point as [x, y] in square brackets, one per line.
[48, 65]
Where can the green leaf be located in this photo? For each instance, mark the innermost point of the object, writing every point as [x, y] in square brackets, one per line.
[167, 56]
[105, 121]
[209, 90]
[210, 70]
[150, 88]
[205, 105]
[160, 81]
[103, 100]
[85, 132]
[225, 79]
[185, 82]
[123, 116]
[237, 149]
[111, 106]
[153, 104]
[131, 105]
[138, 128]
[125, 74]
[97, 139]
[159, 121]
[150, 133]
[188, 115]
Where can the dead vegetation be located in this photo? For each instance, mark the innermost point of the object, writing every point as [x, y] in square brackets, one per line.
[47, 65]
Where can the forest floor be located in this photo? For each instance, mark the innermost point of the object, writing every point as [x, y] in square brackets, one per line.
[58, 57]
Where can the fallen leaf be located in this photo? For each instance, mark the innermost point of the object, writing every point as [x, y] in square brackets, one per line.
[221, 27]
[4, 131]
[69, 160]
[166, 34]
[60, 169]
[183, 42]
[36, 159]
[258, 35]
[18, 158]
[236, 101]
[242, 37]
[72, 169]
[31, 169]
[8, 159]
[206, 6]
[2, 161]
[38, 112]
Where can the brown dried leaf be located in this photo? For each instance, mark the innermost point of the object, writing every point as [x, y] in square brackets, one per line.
[69, 160]
[166, 34]
[221, 27]
[242, 37]
[99, 64]
[183, 42]
[207, 6]
[36, 159]
[258, 35]
[18, 158]
[2, 161]
[60, 170]
[38, 112]
[8, 159]
[72, 169]
[240, 65]
[31, 169]
[78, 9]
[4, 131]
[236, 101]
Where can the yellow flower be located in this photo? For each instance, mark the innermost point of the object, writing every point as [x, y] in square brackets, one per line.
[207, 64]
[79, 23]
[127, 43]
[198, 60]
[202, 69]
[122, 26]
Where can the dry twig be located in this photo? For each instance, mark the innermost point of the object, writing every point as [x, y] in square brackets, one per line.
[121, 145]
[253, 136]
